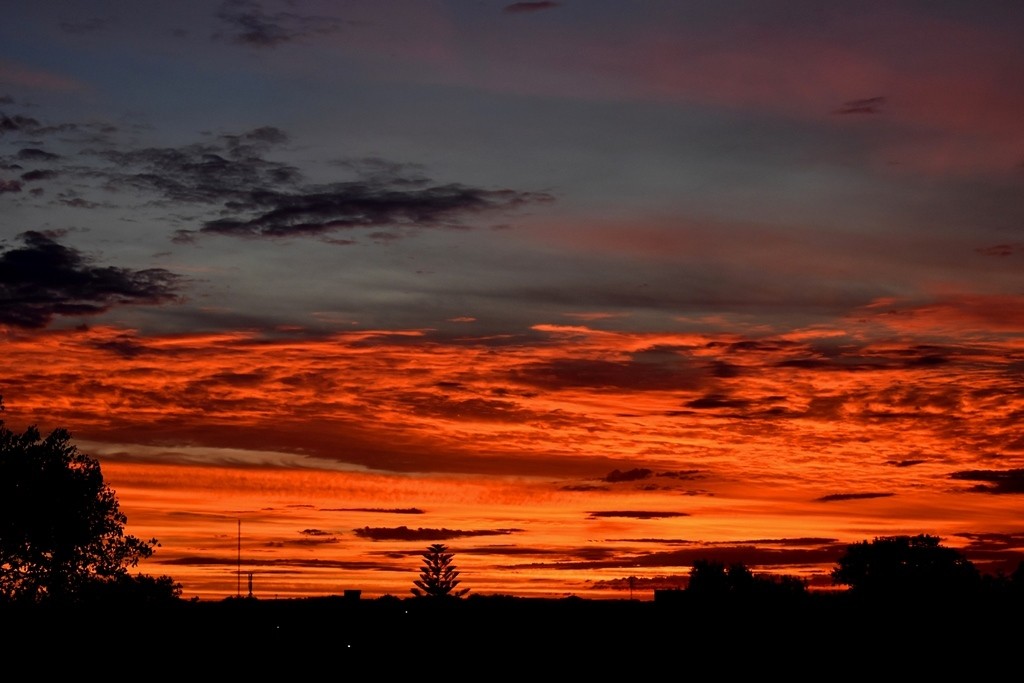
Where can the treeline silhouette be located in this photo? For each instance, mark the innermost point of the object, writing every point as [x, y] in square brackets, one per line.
[908, 604]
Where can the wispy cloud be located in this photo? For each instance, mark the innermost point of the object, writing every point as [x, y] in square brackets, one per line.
[317, 210]
[246, 22]
[635, 474]
[403, 533]
[637, 514]
[870, 105]
[389, 511]
[850, 496]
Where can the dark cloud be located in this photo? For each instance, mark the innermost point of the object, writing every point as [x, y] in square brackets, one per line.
[636, 514]
[810, 364]
[392, 172]
[927, 361]
[995, 553]
[1002, 481]
[1000, 250]
[787, 542]
[638, 474]
[870, 105]
[34, 154]
[629, 475]
[521, 7]
[255, 196]
[44, 279]
[725, 370]
[682, 474]
[17, 123]
[309, 541]
[403, 533]
[510, 550]
[849, 361]
[230, 561]
[254, 141]
[263, 198]
[124, 346]
[994, 541]
[750, 555]
[326, 208]
[736, 407]
[629, 374]
[759, 555]
[246, 23]
[79, 203]
[718, 401]
[850, 496]
[31, 176]
[94, 131]
[387, 511]
[6, 99]
[473, 409]
[223, 171]
[906, 463]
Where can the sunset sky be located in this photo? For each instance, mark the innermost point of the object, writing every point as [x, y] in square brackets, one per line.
[585, 290]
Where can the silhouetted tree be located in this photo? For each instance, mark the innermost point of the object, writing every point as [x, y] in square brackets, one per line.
[438, 576]
[905, 565]
[62, 534]
[708, 577]
[713, 578]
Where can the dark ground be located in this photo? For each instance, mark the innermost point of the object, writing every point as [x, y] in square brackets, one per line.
[485, 638]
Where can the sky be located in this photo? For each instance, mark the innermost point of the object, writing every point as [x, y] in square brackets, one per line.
[586, 291]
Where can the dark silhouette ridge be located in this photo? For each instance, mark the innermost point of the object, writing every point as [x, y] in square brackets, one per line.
[804, 635]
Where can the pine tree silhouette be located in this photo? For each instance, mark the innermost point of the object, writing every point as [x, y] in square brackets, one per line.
[438, 576]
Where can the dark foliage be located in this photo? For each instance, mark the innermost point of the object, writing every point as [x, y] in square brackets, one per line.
[905, 566]
[709, 578]
[62, 534]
